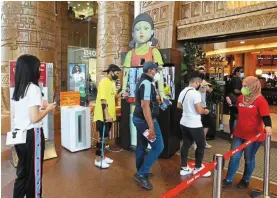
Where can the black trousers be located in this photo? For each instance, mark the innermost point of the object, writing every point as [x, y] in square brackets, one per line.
[191, 135]
[30, 165]
[99, 128]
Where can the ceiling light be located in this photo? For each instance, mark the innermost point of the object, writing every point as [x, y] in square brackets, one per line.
[87, 3]
[74, 7]
[69, 2]
[79, 5]
[242, 42]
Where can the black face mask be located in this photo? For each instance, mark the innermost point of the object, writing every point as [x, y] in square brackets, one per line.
[198, 87]
[114, 77]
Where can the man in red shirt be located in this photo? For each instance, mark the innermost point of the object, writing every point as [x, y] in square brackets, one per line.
[253, 119]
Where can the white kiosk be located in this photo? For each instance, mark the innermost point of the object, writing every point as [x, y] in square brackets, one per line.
[75, 128]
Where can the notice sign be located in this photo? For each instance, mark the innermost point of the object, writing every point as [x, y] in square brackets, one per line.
[70, 98]
[42, 69]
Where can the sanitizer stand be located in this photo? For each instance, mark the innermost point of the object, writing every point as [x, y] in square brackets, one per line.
[75, 128]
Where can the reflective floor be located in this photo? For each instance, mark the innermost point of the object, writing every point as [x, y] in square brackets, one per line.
[74, 175]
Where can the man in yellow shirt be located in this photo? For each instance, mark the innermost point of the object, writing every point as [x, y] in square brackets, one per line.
[105, 101]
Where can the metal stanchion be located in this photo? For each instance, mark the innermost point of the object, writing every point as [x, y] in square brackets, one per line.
[265, 193]
[267, 165]
[217, 187]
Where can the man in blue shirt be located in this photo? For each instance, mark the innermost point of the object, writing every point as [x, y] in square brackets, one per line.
[145, 120]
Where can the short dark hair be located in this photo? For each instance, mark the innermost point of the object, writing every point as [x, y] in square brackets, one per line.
[112, 67]
[194, 76]
[26, 72]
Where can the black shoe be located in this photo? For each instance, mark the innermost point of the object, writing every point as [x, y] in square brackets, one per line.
[149, 175]
[226, 184]
[243, 184]
[143, 181]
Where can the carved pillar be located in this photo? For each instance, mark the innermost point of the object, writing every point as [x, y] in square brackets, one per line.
[165, 16]
[28, 27]
[60, 69]
[113, 33]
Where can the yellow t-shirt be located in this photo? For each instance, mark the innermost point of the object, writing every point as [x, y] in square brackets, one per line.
[142, 50]
[167, 90]
[106, 91]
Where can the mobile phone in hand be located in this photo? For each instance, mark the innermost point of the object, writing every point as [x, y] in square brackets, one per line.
[146, 134]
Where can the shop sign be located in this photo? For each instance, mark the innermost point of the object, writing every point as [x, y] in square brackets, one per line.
[89, 53]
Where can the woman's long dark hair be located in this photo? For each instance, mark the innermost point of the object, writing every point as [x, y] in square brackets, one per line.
[74, 70]
[26, 72]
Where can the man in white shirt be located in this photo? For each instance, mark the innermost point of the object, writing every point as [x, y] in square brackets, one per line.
[192, 129]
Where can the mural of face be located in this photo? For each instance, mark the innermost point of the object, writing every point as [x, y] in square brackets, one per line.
[142, 32]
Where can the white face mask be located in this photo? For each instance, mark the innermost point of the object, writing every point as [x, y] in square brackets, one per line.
[157, 77]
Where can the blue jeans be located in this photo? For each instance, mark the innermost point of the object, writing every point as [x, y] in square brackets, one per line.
[144, 163]
[249, 157]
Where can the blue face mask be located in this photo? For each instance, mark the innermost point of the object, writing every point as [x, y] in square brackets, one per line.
[241, 75]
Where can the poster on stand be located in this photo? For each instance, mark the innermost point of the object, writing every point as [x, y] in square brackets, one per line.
[169, 81]
[77, 80]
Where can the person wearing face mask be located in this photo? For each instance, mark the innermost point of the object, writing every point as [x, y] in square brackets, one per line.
[191, 126]
[148, 130]
[105, 100]
[253, 118]
[235, 85]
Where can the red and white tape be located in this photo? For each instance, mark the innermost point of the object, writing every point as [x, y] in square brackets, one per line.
[241, 147]
[188, 182]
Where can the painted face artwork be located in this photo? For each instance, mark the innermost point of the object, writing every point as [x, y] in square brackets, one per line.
[142, 32]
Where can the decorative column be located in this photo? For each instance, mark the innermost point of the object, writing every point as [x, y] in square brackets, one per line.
[113, 33]
[28, 27]
[61, 66]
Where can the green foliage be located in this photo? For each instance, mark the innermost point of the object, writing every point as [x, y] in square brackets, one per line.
[193, 56]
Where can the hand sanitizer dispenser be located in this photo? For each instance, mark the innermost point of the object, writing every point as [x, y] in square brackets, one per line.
[75, 128]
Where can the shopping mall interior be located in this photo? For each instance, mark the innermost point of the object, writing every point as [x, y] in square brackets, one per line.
[90, 35]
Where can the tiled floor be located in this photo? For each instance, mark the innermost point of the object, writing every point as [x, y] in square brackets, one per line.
[74, 175]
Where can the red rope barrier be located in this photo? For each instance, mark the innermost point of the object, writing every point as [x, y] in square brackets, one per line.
[188, 182]
[236, 150]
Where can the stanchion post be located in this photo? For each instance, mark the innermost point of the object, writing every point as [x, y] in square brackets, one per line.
[267, 165]
[217, 186]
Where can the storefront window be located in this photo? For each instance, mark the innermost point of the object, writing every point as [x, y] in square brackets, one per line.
[82, 37]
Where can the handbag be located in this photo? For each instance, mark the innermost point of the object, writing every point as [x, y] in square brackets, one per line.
[17, 136]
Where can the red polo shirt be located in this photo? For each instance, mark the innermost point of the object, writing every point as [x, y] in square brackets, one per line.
[250, 121]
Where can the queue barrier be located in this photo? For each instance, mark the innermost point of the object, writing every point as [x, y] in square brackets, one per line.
[218, 165]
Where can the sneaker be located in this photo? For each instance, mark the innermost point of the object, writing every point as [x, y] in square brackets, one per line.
[185, 171]
[143, 181]
[194, 146]
[104, 164]
[108, 160]
[208, 146]
[196, 170]
[149, 175]
[226, 183]
[243, 184]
